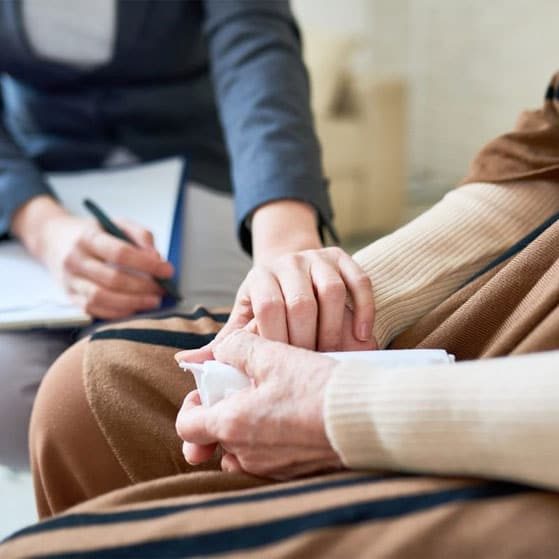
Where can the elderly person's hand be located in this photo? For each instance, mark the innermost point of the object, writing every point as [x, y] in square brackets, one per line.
[273, 429]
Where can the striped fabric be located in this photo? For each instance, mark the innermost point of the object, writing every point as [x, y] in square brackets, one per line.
[170, 509]
[343, 515]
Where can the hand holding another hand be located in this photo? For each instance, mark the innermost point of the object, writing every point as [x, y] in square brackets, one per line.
[301, 299]
[273, 429]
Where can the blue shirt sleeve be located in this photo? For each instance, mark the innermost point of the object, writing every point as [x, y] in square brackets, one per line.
[262, 91]
[20, 179]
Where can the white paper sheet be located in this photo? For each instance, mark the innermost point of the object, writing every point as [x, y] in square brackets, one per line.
[146, 194]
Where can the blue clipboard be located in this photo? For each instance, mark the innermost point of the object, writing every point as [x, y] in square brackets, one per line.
[174, 255]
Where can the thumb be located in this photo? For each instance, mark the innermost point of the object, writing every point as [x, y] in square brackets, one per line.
[251, 354]
[204, 353]
[240, 316]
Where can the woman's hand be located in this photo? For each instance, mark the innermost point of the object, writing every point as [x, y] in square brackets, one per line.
[297, 290]
[107, 277]
[300, 299]
[273, 429]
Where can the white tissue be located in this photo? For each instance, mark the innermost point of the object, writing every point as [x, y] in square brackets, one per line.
[216, 380]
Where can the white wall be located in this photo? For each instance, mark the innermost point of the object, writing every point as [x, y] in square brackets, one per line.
[471, 67]
[334, 15]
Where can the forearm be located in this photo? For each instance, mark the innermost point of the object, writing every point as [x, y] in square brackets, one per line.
[31, 219]
[281, 227]
[422, 263]
[491, 418]
[262, 92]
[20, 180]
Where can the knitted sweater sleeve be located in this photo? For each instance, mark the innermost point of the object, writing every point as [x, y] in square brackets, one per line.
[421, 264]
[487, 418]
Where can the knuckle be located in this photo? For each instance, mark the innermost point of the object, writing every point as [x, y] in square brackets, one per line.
[301, 304]
[149, 301]
[242, 314]
[332, 289]
[249, 464]
[230, 429]
[84, 241]
[227, 432]
[95, 296]
[237, 333]
[367, 307]
[267, 307]
[363, 282]
[89, 306]
[335, 252]
[329, 347]
[119, 254]
[180, 426]
[88, 235]
[69, 262]
[146, 235]
[292, 260]
[113, 279]
[251, 275]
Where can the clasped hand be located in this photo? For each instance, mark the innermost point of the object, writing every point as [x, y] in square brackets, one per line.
[275, 428]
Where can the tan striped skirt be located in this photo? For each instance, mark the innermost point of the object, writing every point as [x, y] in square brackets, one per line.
[104, 444]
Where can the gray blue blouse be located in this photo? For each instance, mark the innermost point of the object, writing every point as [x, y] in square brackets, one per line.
[219, 81]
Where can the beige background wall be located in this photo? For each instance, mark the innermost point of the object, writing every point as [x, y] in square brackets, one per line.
[471, 66]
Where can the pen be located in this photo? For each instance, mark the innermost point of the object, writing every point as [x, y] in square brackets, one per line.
[110, 227]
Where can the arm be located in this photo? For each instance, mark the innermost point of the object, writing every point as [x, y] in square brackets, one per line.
[77, 253]
[493, 418]
[488, 418]
[262, 92]
[422, 263]
[296, 290]
[20, 180]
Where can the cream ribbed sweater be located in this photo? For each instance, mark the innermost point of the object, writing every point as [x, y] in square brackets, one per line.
[487, 418]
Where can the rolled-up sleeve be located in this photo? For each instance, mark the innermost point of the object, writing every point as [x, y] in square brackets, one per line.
[262, 91]
[20, 179]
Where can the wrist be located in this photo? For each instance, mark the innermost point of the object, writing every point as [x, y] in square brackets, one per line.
[30, 221]
[283, 226]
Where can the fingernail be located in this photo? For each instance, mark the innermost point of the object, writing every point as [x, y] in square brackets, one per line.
[364, 331]
[167, 269]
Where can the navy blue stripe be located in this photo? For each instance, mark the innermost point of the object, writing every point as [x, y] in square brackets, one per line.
[267, 533]
[92, 519]
[200, 312]
[516, 248]
[166, 338]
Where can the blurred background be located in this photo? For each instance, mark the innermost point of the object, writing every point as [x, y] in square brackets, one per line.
[404, 94]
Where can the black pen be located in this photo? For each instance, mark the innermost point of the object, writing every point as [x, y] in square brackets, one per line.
[110, 227]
